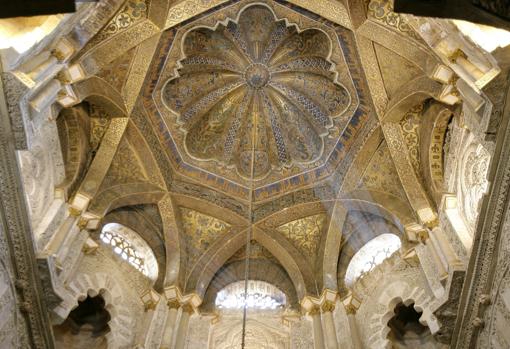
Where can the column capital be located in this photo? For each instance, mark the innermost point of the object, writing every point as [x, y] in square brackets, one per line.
[307, 303]
[176, 299]
[314, 310]
[328, 295]
[416, 232]
[350, 309]
[351, 303]
[328, 306]
[74, 212]
[172, 293]
[173, 304]
[90, 246]
[150, 299]
[188, 308]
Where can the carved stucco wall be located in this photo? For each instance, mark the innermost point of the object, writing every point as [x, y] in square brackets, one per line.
[400, 281]
[42, 168]
[472, 182]
[343, 333]
[301, 334]
[263, 331]
[198, 332]
[466, 165]
[121, 285]
[497, 317]
[12, 325]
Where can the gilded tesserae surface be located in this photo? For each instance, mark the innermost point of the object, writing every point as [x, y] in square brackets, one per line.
[256, 90]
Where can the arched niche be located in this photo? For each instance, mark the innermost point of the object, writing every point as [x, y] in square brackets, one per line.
[264, 267]
[406, 330]
[254, 294]
[131, 248]
[86, 325]
[373, 253]
[360, 228]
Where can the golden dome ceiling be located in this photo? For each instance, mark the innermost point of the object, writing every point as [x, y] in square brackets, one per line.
[256, 92]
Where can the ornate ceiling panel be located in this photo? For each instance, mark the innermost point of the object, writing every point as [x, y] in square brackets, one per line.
[200, 231]
[264, 90]
[116, 72]
[382, 11]
[381, 174]
[99, 122]
[411, 123]
[133, 12]
[257, 92]
[395, 69]
[125, 167]
[257, 251]
[305, 233]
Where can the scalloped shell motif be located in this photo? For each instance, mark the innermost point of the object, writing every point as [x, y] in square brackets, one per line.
[256, 94]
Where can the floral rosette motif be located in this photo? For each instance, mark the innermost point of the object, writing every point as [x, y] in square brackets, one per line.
[256, 93]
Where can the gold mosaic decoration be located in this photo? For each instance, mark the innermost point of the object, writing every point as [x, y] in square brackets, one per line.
[133, 12]
[200, 232]
[410, 128]
[99, 122]
[117, 71]
[256, 91]
[381, 174]
[305, 233]
[125, 167]
[382, 11]
[257, 251]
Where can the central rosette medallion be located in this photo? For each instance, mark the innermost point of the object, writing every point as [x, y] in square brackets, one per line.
[257, 75]
[255, 94]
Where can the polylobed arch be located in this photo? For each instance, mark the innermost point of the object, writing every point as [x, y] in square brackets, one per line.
[122, 318]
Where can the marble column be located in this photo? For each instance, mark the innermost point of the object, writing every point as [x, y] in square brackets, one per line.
[329, 325]
[182, 330]
[318, 335]
[353, 326]
[173, 309]
[150, 299]
[351, 304]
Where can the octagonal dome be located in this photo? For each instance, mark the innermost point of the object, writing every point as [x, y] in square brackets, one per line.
[256, 94]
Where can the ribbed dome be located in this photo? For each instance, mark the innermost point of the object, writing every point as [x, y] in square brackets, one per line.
[256, 87]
